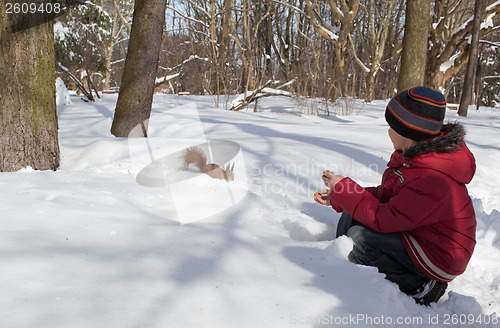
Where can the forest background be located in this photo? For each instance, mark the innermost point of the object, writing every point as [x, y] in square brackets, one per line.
[313, 48]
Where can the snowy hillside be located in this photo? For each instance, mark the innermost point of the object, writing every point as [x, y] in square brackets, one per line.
[88, 246]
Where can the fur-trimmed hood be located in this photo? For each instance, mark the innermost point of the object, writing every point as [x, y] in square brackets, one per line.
[446, 153]
[450, 140]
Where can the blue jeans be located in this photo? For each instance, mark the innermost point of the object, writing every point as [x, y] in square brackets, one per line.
[382, 250]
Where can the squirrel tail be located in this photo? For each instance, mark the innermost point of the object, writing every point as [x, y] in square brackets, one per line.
[194, 155]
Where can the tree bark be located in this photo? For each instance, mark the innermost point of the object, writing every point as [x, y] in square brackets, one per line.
[28, 115]
[466, 98]
[414, 53]
[133, 107]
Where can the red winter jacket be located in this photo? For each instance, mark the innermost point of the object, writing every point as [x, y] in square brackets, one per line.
[423, 197]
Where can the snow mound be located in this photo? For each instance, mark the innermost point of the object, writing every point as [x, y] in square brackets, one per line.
[62, 93]
[87, 246]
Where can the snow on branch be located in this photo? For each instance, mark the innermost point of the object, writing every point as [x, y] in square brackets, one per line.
[356, 58]
[495, 44]
[246, 98]
[487, 22]
[195, 6]
[497, 3]
[323, 28]
[167, 77]
[160, 80]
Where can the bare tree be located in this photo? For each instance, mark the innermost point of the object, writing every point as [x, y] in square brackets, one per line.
[449, 39]
[283, 42]
[328, 47]
[466, 99]
[250, 29]
[28, 118]
[209, 25]
[387, 81]
[378, 16]
[133, 107]
[120, 32]
[344, 13]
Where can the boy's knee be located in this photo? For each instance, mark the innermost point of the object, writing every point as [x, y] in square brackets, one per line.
[363, 235]
[358, 234]
[360, 250]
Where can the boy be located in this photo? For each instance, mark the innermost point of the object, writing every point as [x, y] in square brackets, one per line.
[418, 227]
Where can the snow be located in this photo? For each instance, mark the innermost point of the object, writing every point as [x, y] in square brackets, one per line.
[485, 24]
[166, 78]
[60, 31]
[88, 246]
[435, 25]
[62, 93]
[496, 3]
[446, 65]
[488, 22]
[329, 32]
[276, 91]
[193, 57]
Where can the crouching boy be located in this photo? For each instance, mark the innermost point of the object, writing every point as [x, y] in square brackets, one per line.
[418, 226]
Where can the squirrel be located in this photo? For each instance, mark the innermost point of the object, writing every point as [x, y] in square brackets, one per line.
[196, 156]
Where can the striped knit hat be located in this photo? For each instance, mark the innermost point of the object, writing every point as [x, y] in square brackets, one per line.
[416, 113]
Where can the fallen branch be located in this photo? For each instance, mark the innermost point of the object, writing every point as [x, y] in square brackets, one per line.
[244, 99]
[91, 84]
[78, 83]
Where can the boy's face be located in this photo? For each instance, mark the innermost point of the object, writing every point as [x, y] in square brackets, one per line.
[398, 141]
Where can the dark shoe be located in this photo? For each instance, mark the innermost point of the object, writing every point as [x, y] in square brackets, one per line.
[431, 292]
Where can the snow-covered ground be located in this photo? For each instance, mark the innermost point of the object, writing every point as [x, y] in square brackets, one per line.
[88, 246]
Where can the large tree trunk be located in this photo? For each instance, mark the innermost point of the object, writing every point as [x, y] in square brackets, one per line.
[466, 98]
[28, 116]
[133, 107]
[415, 39]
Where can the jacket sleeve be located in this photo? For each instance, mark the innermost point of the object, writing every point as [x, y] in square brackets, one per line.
[336, 207]
[373, 191]
[412, 207]
[339, 209]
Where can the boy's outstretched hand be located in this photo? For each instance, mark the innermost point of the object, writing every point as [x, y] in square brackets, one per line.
[322, 197]
[330, 179]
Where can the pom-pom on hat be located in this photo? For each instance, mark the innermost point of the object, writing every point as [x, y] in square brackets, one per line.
[417, 113]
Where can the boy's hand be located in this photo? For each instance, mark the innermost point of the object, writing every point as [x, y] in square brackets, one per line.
[330, 179]
[322, 197]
